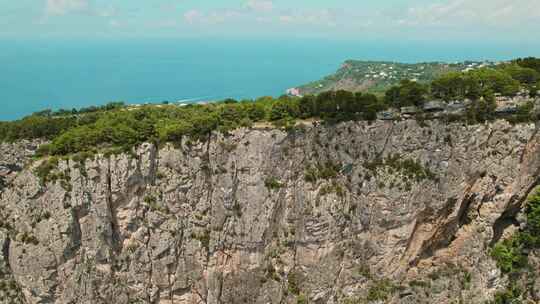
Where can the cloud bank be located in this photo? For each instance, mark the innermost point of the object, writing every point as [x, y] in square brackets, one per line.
[483, 14]
[260, 5]
[343, 18]
[62, 7]
[497, 13]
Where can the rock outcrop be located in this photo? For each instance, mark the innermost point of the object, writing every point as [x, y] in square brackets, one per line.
[14, 157]
[389, 212]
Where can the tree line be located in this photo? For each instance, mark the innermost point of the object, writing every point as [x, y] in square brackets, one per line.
[117, 126]
[123, 128]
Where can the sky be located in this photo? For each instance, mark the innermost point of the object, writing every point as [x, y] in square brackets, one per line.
[459, 20]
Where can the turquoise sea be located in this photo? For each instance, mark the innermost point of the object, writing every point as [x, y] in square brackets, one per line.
[41, 74]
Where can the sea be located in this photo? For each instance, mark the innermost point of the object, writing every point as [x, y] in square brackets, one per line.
[43, 74]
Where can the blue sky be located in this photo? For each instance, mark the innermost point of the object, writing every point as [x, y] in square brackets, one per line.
[492, 20]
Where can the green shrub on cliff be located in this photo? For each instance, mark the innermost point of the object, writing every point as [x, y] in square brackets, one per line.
[524, 114]
[481, 110]
[328, 170]
[511, 254]
[293, 282]
[301, 299]
[531, 236]
[509, 296]
[410, 169]
[381, 291]
[45, 169]
[272, 183]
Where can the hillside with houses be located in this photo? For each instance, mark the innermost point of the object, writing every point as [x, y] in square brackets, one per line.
[377, 76]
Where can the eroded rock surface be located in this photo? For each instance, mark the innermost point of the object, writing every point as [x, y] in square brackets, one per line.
[14, 157]
[320, 215]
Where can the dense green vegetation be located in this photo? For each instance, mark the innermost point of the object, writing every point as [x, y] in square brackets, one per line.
[529, 62]
[48, 124]
[407, 93]
[122, 128]
[116, 127]
[508, 254]
[92, 109]
[35, 126]
[507, 79]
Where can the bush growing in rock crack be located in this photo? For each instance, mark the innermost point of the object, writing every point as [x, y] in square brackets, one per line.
[272, 183]
[511, 254]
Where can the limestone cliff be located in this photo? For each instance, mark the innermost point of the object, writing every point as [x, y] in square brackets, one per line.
[389, 212]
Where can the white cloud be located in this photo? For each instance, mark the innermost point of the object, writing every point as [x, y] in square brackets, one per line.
[263, 12]
[251, 11]
[443, 16]
[260, 5]
[107, 12]
[213, 17]
[83, 7]
[114, 23]
[223, 16]
[192, 16]
[323, 17]
[62, 7]
[497, 13]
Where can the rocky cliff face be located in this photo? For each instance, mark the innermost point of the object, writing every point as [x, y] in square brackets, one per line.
[14, 157]
[318, 215]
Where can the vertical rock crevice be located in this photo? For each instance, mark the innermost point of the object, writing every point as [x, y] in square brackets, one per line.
[116, 237]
